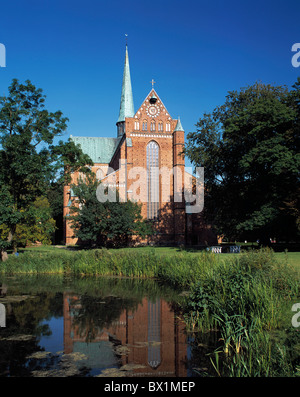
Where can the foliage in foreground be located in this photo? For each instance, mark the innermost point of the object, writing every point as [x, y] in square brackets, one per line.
[37, 225]
[108, 223]
[244, 302]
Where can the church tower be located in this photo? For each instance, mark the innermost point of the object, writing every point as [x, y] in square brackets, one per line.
[152, 141]
[126, 105]
[179, 173]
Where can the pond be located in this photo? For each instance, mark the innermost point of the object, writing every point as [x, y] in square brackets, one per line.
[63, 326]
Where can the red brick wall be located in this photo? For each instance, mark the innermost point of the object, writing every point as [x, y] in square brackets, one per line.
[170, 145]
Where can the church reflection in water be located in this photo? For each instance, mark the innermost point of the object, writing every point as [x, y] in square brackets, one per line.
[148, 337]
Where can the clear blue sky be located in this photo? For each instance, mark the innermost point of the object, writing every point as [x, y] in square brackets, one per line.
[195, 50]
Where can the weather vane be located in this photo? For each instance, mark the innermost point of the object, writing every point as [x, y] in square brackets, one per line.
[126, 35]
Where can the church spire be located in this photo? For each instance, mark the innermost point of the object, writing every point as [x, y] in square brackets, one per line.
[126, 105]
[179, 126]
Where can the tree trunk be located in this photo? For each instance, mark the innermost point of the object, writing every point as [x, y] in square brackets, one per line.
[3, 253]
[4, 256]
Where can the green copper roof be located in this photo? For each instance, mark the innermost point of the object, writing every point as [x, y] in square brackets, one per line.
[179, 126]
[100, 150]
[126, 106]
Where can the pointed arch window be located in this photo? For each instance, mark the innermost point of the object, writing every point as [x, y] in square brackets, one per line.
[153, 180]
[99, 174]
[144, 125]
[152, 126]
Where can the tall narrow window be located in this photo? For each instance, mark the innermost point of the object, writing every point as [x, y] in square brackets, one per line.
[153, 180]
[154, 334]
[99, 174]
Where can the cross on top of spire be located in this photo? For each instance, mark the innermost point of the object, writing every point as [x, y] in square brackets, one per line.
[153, 82]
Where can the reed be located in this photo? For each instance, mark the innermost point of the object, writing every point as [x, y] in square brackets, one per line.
[244, 299]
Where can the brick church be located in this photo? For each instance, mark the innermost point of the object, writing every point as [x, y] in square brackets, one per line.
[147, 140]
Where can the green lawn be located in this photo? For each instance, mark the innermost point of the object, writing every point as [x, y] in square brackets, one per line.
[292, 258]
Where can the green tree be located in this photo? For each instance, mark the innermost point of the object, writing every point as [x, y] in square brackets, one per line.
[29, 157]
[55, 197]
[249, 148]
[37, 224]
[102, 224]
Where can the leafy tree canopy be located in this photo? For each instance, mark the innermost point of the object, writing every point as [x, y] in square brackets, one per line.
[37, 225]
[30, 158]
[249, 148]
[101, 224]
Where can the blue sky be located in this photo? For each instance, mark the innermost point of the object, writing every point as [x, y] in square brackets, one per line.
[195, 50]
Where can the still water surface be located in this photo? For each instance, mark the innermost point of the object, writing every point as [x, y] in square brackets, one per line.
[60, 326]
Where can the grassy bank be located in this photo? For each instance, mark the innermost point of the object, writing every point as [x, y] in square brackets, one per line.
[180, 269]
[51, 259]
[248, 300]
[246, 297]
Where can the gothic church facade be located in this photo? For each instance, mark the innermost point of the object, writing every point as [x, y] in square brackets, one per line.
[147, 140]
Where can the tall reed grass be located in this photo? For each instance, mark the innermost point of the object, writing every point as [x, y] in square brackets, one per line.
[243, 299]
[180, 269]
